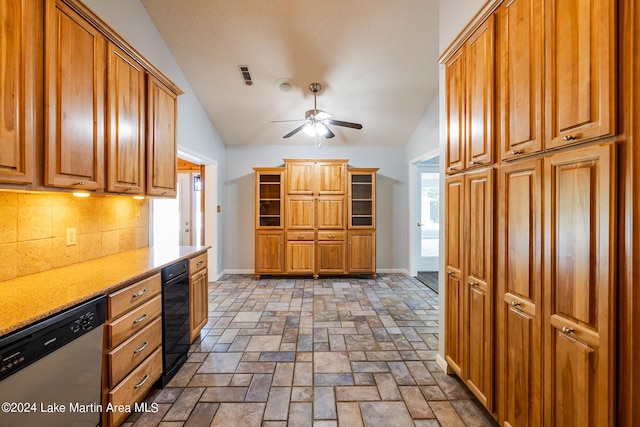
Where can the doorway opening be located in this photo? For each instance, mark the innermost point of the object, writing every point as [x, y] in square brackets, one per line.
[427, 237]
[180, 221]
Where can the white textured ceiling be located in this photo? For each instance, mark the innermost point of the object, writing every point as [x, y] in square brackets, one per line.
[376, 61]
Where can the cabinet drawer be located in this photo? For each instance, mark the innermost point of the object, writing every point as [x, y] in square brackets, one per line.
[197, 263]
[301, 235]
[331, 235]
[135, 386]
[127, 325]
[123, 300]
[124, 358]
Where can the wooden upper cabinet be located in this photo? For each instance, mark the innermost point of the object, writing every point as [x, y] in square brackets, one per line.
[480, 88]
[580, 70]
[125, 123]
[579, 282]
[331, 177]
[455, 115]
[519, 305]
[19, 106]
[300, 213]
[161, 139]
[300, 177]
[75, 74]
[331, 212]
[520, 77]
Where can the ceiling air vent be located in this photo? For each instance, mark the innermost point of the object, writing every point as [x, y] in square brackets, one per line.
[246, 77]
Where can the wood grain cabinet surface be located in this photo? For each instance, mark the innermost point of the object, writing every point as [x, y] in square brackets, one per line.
[20, 65]
[126, 110]
[75, 78]
[198, 294]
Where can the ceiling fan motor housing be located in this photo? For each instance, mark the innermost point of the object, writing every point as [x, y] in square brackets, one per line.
[315, 87]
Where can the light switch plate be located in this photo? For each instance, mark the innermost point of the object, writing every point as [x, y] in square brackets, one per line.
[71, 236]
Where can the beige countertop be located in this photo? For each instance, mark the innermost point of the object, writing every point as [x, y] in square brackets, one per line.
[31, 298]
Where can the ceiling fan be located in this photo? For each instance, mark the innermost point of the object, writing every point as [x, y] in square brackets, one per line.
[316, 121]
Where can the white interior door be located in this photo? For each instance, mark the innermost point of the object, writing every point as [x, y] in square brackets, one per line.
[185, 204]
[428, 225]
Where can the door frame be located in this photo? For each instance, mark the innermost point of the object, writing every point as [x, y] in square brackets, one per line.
[414, 211]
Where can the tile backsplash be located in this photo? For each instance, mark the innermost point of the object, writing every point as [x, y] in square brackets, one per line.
[33, 229]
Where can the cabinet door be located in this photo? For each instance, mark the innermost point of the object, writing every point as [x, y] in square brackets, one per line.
[331, 212]
[161, 139]
[199, 305]
[300, 213]
[300, 177]
[455, 115]
[521, 76]
[269, 252]
[75, 74]
[269, 198]
[479, 303]
[480, 84]
[331, 177]
[362, 252]
[331, 257]
[454, 292]
[300, 257]
[125, 123]
[580, 72]
[580, 224]
[520, 306]
[18, 102]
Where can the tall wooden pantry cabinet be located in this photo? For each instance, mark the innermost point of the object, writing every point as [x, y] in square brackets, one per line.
[315, 217]
[531, 233]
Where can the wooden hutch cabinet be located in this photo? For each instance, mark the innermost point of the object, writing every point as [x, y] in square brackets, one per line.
[315, 217]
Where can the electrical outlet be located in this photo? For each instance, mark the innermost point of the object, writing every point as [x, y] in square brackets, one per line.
[71, 236]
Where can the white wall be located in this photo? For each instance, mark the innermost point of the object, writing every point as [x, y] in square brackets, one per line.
[239, 197]
[196, 134]
[454, 16]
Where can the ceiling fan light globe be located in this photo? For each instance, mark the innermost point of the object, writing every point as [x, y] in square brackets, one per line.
[309, 129]
[321, 129]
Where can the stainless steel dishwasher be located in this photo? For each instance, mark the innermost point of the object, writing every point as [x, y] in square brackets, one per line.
[50, 372]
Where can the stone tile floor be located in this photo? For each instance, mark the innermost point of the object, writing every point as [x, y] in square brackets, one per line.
[329, 352]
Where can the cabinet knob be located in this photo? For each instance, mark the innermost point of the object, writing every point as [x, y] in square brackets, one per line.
[515, 304]
[566, 330]
[473, 284]
[516, 152]
[450, 273]
[79, 183]
[568, 138]
[300, 236]
[475, 162]
[451, 168]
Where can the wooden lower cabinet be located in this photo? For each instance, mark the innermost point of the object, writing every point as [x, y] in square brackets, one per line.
[331, 253]
[269, 252]
[132, 346]
[362, 252]
[579, 284]
[300, 255]
[199, 295]
[519, 307]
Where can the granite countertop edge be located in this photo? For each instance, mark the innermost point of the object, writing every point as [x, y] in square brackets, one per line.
[28, 299]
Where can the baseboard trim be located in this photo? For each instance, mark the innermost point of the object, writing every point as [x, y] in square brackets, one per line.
[443, 364]
[393, 271]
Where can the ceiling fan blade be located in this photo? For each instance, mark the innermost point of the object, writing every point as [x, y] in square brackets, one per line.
[284, 121]
[345, 124]
[329, 134]
[296, 130]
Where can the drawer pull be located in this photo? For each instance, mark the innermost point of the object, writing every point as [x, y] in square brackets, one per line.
[142, 381]
[450, 273]
[139, 293]
[475, 162]
[473, 284]
[516, 152]
[140, 319]
[301, 236]
[568, 138]
[199, 263]
[566, 330]
[515, 304]
[142, 347]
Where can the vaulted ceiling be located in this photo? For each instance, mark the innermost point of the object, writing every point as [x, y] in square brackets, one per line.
[375, 59]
